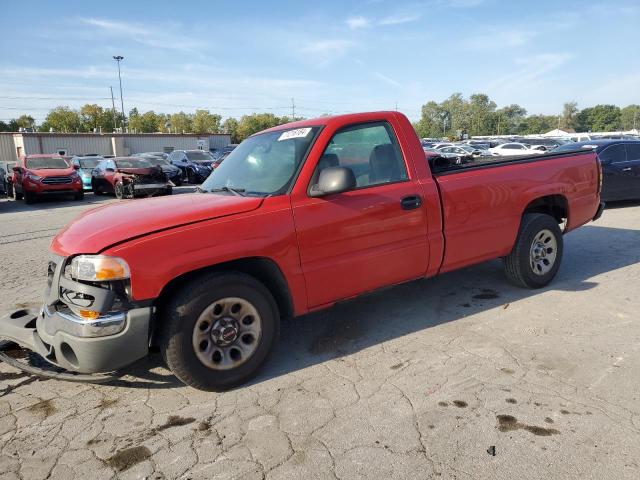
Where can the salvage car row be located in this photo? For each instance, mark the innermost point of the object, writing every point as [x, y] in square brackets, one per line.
[146, 174]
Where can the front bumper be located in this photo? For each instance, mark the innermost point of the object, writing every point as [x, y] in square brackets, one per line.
[55, 337]
[117, 337]
[599, 211]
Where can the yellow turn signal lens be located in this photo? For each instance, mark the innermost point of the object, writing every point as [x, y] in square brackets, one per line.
[89, 314]
[99, 268]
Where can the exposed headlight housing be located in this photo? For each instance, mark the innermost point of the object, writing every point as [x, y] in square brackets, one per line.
[33, 176]
[99, 268]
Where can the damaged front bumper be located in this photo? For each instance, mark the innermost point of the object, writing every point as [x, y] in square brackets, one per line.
[107, 343]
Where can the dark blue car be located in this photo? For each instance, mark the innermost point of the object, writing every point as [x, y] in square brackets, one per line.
[620, 161]
[195, 164]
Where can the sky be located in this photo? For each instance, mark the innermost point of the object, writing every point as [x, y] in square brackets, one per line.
[332, 56]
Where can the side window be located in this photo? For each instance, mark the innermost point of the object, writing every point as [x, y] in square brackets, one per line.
[370, 150]
[613, 154]
[633, 151]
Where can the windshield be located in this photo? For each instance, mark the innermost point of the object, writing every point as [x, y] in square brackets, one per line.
[157, 161]
[199, 155]
[132, 163]
[568, 147]
[263, 164]
[89, 162]
[46, 162]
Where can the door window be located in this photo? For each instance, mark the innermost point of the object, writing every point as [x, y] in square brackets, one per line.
[613, 154]
[633, 151]
[370, 150]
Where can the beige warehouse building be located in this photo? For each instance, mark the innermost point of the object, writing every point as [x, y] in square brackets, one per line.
[14, 144]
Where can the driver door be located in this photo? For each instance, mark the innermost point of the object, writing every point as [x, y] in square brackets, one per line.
[369, 237]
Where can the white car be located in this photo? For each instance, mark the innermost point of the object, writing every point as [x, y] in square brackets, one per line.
[438, 146]
[513, 149]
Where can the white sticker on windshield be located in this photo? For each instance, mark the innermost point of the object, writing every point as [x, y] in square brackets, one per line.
[297, 133]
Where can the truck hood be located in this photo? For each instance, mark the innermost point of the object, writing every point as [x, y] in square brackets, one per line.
[97, 229]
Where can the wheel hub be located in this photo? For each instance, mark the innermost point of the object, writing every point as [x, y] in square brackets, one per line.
[225, 331]
[543, 252]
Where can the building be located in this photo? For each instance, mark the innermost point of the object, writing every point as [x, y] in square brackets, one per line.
[14, 144]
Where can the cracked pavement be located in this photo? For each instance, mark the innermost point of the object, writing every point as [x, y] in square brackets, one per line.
[416, 381]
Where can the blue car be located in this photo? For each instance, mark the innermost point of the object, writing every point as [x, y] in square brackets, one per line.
[84, 166]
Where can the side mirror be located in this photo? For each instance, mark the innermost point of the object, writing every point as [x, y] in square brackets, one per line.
[76, 167]
[333, 180]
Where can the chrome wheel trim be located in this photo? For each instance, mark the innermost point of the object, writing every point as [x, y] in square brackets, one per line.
[543, 252]
[227, 333]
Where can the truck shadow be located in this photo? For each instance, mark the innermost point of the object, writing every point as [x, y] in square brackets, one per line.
[415, 306]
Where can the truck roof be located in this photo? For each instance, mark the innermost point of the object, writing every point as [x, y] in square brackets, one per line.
[328, 120]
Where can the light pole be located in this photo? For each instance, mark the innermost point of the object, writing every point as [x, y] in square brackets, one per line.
[118, 58]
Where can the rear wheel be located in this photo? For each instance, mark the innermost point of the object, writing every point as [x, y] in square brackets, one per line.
[191, 177]
[96, 188]
[16, 195]
[537, 253]
[218, 330]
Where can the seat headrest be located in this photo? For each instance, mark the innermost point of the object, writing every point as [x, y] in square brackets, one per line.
[384, 164]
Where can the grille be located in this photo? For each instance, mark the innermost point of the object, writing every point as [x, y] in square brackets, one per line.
[56, 180]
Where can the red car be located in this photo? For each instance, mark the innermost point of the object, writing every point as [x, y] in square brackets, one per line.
[301, 216]
[127, 177]
[45, 174]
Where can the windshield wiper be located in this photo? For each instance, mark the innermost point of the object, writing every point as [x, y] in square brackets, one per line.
[236, 191]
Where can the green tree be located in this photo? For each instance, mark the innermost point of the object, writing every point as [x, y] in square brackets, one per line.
[95, 117]
[205, 122]
[25, 121]
[62, 119]
[601, 118]
[630, 117]
[569, 112]
[145, 123]
[181, 122]
[456, 114]
[481, 114]
[4, 127]
[507, 120]
[230, 126]
[250, 124]
[537, 124]
[430, 123]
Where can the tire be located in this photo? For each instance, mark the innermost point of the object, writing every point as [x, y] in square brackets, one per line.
[193, 306]
[191, 177]
[29, 198]
[168, 191]
[10, 191]
[16, 195]
[79, 195]
[119, 190]
[178, 181]
[537, 253]
[95, 188]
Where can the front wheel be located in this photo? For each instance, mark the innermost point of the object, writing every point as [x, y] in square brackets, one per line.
[29, 198]
[536, 255]
[218, 330]
[78, 195]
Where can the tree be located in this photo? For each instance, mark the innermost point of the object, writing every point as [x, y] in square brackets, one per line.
[205, 122]
[250, 124]
[145, 123]
[537, 124]
[601, 118]
[569, 111]
[507, 120]
[4, 127]
[230, 126]
[455, 114]
[430, 123]
[630, 117]
[481, 110]
[62, 119]
[95, 117]
[25, 121]
[181, 122]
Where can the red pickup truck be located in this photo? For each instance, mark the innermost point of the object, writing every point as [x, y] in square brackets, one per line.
[297, 218]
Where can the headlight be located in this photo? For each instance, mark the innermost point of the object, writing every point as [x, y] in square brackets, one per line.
[33, 177]
[94, 268]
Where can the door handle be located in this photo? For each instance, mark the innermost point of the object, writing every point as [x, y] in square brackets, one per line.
[411, 202]
[626, 169]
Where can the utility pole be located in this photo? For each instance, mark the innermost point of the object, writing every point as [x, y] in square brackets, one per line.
[113, 109]
[293, 109]
[635, 115]
[119, 58]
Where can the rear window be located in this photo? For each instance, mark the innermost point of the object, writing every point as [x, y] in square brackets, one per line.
[198, 155]
[133, 163]
[40, 163]
[633, 151]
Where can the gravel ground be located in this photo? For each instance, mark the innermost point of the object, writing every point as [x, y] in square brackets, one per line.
[424, 380]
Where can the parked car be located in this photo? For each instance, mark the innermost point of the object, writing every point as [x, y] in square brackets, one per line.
[300, 217]
[480, 144]
[465, 151]
[620, 163]
[84, 166]
[43, 175]
[513, 149]
[6, 178]
[439, 145]
[154, 154]
[128, 177]
[173, 173]
[195, 164]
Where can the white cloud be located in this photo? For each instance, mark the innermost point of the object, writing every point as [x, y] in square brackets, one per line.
[529, 72]
[399, 19]
[388, 80]
[163, 37]
[357, 22]
[499, 39]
